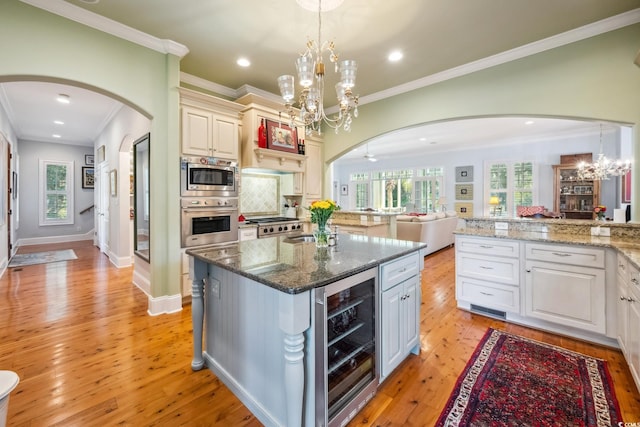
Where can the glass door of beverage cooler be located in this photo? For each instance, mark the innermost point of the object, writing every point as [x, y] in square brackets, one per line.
[349, 345]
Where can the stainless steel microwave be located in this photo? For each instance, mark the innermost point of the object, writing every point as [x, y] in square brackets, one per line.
[208, 177]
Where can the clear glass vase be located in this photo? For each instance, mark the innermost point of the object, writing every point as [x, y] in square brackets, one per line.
[321, 235]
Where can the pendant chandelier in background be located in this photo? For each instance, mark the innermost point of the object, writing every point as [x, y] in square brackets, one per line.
[310, 68]
[603, 168]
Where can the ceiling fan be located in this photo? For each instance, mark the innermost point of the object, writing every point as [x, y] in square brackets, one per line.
[369, 156]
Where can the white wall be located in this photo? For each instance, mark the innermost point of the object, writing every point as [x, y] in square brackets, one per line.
[118, 136]
[31, 152]
[543, 153]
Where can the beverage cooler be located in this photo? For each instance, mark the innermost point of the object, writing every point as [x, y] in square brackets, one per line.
[346, 347]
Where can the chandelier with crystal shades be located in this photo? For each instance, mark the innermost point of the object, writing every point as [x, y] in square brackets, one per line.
[310, 68]
[603, 168]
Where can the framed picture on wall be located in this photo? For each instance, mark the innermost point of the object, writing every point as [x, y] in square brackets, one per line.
[464, 173]
[89, 159]
[88, 177]
[281, 137]
[626, 188]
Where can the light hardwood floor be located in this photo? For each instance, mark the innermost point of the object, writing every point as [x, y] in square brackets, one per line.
[88, 354]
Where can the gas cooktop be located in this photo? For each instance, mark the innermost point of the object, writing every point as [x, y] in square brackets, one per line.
[276, 225]
[270, 220]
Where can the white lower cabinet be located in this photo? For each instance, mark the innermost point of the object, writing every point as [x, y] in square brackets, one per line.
[568, 295]
[488, 274]
[399, 312]
[628, 315]
[566, 290]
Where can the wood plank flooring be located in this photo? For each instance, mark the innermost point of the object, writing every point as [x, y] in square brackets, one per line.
[88, 354]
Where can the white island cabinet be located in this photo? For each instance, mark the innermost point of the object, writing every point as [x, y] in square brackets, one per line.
[400, 298]
[258, 323]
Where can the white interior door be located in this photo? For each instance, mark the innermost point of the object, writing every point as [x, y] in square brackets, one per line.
[102, 206]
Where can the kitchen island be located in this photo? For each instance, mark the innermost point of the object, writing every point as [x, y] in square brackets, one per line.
[255, 303]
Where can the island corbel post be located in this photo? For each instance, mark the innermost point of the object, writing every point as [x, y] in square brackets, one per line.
[197, 311]
[294, 318]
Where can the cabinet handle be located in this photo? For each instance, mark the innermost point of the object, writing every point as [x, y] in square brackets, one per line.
[528, 270]
[486, 246]
[486, 293]
[486, 268]
[631, 299]
[622, 298]
[560, 254]
[634, 281]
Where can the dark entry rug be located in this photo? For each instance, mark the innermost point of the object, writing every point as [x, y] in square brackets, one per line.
[515, 381]
[20, 260]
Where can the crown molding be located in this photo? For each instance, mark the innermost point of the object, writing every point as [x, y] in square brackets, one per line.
[109, 26]
[208, 85]
[609, 24]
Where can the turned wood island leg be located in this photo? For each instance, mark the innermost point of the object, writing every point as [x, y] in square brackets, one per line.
[199, 272]
[294, 319]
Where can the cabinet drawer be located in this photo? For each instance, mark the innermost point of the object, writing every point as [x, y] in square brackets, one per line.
[575, 255]
[494, 269]
[495, 247]
[489, 295]
[399, 270]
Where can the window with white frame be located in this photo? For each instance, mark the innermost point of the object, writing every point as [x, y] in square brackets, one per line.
[392, 189]
[429, 188]
[513, 185]
[360, 189]
[56, 192]
[415, 190]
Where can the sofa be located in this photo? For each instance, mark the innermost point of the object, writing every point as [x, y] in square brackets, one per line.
[435, 229]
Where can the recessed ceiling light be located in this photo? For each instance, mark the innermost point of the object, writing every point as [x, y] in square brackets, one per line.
[58, 122]
[243, 62]
[55, 135]
[423, 139]
[395, 56]
[63, 98]
[529, 122]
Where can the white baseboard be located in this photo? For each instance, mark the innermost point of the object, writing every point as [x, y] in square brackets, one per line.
[55, 239]
[165, 304]
[142, 282]
[120, 262]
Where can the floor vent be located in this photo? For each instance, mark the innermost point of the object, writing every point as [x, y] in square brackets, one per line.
[489, 312]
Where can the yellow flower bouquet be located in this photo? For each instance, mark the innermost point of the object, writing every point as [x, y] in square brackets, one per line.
[321, 211]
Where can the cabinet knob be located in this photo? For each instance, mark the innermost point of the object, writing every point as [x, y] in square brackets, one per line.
[528, 270]
[622, 298]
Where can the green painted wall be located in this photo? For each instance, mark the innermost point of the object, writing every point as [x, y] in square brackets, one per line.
[594, 78]
[37, 45]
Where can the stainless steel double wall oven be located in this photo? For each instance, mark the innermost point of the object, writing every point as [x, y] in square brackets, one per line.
[209, 201]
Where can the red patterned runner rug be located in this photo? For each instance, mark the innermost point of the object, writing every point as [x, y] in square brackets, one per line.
[515, 381]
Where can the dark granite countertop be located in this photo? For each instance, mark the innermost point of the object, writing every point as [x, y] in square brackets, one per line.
[293, 266]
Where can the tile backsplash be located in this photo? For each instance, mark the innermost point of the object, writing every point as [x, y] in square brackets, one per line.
[262, 194]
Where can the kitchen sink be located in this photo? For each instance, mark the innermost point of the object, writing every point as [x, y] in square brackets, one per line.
[302, 238]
